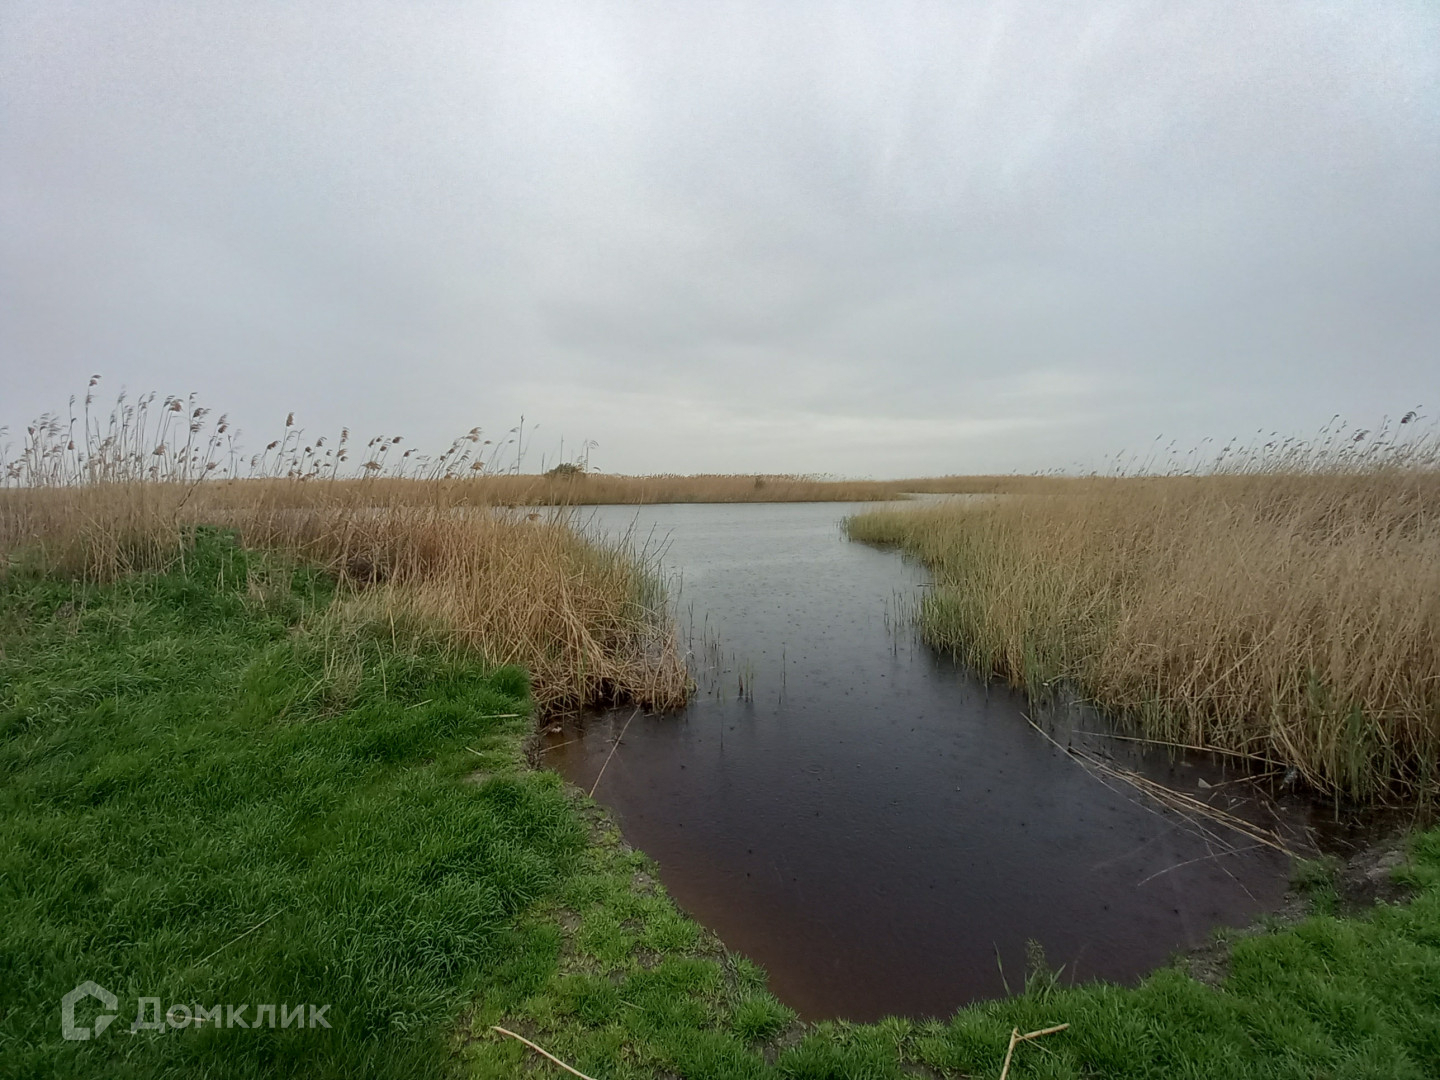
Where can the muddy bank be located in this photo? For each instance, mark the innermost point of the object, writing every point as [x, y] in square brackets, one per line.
[1354, 870]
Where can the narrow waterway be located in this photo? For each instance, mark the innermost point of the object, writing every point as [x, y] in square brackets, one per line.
[878, 828]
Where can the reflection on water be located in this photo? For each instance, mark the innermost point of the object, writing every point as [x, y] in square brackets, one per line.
[879, 829]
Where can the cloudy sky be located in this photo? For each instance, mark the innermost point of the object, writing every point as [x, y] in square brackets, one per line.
[877, 239]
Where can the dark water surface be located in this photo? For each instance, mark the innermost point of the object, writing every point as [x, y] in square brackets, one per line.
[868, 821]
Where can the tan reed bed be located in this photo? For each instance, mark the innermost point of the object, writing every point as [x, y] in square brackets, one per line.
[586, 617]
[1284, 604]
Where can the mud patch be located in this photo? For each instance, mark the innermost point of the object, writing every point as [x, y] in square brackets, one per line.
[1330, 885]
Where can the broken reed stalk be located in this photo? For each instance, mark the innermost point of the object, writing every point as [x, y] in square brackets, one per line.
[1177, 802]
[1192, 862]
[1182, 803]
[1009, 1052]
[542, 1052]
[1016, 1039]
[1238, 754]
[610, 755]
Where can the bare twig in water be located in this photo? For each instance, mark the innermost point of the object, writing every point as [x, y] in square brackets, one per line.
[1248, 779]
[1016, 1039]
[543, 1053]
[612, 753]
[1177, 802]
[1182, 746]
[1186, 804]
[1197, 859]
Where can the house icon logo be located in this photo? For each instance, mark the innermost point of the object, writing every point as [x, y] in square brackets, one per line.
[74, 1032]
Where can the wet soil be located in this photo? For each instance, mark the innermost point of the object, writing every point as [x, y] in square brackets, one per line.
[1354, 872]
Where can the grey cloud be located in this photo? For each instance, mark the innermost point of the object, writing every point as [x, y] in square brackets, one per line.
[869, 238]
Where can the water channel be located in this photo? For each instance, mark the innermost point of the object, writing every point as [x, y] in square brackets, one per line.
[880, 829]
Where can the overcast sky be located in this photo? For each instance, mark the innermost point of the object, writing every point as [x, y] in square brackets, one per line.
[877, 239]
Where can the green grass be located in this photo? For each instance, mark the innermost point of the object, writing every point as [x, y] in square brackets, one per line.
[203, 806]
[212, 793]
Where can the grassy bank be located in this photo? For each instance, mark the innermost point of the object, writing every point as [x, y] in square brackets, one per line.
[585, 616]
[202, 804]
[1288, 614]
[214, 791]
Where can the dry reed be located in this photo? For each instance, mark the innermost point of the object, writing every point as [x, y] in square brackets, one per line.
[586, 617]
[1282, 603]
